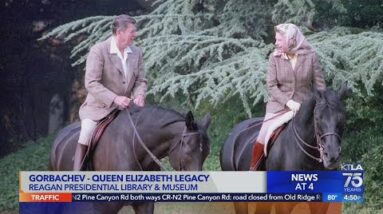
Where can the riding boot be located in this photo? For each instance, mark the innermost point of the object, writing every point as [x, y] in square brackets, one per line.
[79, 156]
[257, 156]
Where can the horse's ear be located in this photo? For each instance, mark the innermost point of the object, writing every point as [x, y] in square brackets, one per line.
[189, 121]
[205, 122]
[344, 91]
[318, 94]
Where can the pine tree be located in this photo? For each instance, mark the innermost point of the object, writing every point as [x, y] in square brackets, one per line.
[211, 50]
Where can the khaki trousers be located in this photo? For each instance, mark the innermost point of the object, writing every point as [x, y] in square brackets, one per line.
[87, 128]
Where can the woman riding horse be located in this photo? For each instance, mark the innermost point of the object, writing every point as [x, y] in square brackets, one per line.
[293, 70]
[311, 141]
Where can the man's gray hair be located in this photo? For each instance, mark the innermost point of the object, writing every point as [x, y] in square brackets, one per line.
[121, 22]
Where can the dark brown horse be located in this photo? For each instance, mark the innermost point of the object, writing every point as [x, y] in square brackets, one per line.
[311, 141]
[164, 132]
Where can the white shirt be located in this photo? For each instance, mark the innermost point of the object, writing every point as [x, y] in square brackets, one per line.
[124, 59]
[293, 60]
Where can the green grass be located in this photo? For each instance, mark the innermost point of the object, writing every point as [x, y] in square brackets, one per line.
[33, 157]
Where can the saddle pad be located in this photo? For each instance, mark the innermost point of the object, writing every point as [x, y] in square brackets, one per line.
[101, 126]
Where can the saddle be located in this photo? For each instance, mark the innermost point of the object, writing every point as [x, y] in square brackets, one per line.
[269, 144]
[275, 136]
[101, 126]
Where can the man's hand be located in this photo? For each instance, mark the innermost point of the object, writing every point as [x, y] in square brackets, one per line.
[122, 101]
[293, 106]
[139, 100]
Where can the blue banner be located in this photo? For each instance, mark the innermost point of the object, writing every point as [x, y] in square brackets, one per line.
[304, 181]
[335, 186]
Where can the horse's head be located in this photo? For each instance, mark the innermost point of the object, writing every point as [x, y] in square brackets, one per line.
[193, 148]
[329, 120]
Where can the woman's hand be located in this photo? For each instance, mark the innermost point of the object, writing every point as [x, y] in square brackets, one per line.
[293, 106]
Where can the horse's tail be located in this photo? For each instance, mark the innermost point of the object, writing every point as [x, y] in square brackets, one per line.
[63, 137]
[226, 156]
[236, 150]
[50, 167]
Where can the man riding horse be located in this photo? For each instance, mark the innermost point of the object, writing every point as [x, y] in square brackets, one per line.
[114, 73]
[137, 138]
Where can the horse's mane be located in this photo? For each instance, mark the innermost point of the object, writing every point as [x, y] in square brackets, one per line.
[163, 115]
[331, 100]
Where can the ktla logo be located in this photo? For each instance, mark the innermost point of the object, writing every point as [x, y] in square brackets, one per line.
[354, 175]
[353, 178]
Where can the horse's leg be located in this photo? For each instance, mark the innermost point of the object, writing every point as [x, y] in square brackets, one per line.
[334, 208]
[92, 207]
[107, 207]
[284, 207]
[241, 208]
[143, 208]
[263, 207]
[323, 208]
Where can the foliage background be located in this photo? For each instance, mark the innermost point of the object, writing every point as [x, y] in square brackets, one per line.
[211, 56]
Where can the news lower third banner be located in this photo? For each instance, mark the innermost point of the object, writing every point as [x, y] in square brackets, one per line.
[303, 186]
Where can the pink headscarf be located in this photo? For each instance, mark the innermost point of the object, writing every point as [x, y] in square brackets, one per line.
[295, 40]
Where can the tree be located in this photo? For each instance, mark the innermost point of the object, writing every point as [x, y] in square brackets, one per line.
[212, 50]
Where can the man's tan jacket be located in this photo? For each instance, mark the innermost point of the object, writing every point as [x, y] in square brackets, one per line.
[105, 79]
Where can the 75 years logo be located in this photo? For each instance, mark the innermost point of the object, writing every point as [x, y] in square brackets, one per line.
[353, 174]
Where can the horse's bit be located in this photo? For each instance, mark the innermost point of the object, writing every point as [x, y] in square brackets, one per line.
[181, 142]
[155, 159]
[319, 146]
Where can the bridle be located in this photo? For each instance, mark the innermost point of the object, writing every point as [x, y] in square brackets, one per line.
[181, 143]
[185, 134]
[318, 137]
